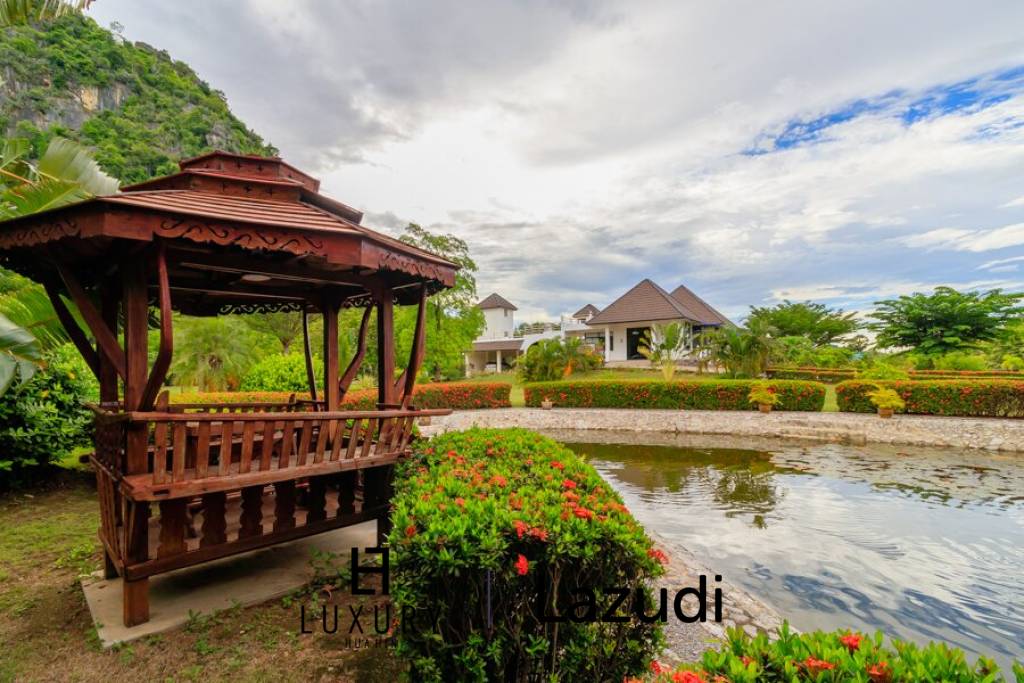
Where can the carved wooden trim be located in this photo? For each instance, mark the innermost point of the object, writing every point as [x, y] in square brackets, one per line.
[38, 232]
[249, 237]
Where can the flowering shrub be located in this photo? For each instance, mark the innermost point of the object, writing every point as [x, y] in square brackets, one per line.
[829, 656]
[726, 394]
[762, 394]
[490, 517]
[455, 395]
[977, 398]
[840, 374]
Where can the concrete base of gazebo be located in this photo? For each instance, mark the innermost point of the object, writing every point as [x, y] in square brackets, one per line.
[244, 580]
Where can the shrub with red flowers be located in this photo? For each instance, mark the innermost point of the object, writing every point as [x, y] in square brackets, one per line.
[454, 395]
[830, 656]
[711, 394]
[536, 523]
[967, 398]
[839, 374]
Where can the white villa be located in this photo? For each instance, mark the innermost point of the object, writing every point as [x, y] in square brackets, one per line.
[615, 331]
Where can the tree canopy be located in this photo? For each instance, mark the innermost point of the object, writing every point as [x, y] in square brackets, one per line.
[945, 320]
[817, 322]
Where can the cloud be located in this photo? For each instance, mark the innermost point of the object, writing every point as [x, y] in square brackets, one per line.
[749, 150]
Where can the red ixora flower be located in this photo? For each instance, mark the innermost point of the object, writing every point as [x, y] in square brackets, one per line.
[557, 465]
[851, 641]
[568, 484]
[410, 531]
[520, 526]
[687, 677]
[816, 666]
[461, 502]
[522, 565]
[658, 555]
[656, 667]
[879, 673]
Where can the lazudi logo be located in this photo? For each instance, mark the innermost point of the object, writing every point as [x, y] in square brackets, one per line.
[622, 604]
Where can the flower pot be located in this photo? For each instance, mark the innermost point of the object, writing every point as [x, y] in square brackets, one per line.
[764, 407]
[546, 404]
[885, 413]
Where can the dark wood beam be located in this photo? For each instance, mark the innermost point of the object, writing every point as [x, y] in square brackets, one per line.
[104, 337]
[162, 363]
[385, 347]
[307, 352]
[407, 382]
[332, 395]
[67, 320]
[357, 360]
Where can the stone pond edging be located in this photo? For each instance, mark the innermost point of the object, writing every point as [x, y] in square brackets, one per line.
[852, 428]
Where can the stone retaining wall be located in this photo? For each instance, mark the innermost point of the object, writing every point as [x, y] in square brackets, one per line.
[853, 428]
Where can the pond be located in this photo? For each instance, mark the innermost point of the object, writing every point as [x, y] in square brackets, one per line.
[924, 544]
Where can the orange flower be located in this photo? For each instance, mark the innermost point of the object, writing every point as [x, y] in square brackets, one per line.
[410, 531]
[879, 673]
[568, 484]
[520, 528]
[686, 677]
[461, 502]
[816, 666]
[851, 641]
[557, 465]
[522, 565]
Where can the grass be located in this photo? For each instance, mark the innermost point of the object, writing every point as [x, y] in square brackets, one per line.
[48, 539]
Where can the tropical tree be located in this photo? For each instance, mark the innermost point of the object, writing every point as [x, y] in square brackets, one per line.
[18, 12]
[454, 319]
[740, 352]
[815, 322]
[664, 346]
[65, 173]
[945, 320]
[286, 327]
[214, 354]
[553, 358]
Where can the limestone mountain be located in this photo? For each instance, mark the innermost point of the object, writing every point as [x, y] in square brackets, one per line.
[137, 107]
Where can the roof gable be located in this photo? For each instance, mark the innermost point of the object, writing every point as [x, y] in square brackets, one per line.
[589, 309]
[705, 314]
[645, 301]
[495, 300]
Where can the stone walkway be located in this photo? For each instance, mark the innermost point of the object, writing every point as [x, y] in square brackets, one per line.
[852, 428]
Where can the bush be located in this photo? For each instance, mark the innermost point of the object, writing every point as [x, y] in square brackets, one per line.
[504, 513]
[726, 394]
[970, 398]
[884, 371]
[549, 359]
[961, 360]
[44, 419]
[812, 373]
[830, 656]
[454, 395]
[279, 372]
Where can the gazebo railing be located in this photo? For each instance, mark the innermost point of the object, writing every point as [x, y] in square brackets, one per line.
[215, 475]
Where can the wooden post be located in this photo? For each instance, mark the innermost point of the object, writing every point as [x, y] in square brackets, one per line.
[110, 303]
[308, 354]
[332, 390]
[385, 348]
[136, 321]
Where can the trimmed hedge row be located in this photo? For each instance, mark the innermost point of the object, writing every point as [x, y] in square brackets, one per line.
[966, 398]
[455, 395]
[724, 394]
[840, 374]
[495, 528]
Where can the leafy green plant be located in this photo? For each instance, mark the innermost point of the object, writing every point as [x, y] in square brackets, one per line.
[279, 372]
[44, 419]
[961, 360]
[15, 12]
[763, 394]
[884, 371]
[739, 352]
[886, 399]
[550, 359]
[817, 323]
[727, 394]
[1012, 363]
[483, 519]
[664, 346]
[967, 398]
[830, 656]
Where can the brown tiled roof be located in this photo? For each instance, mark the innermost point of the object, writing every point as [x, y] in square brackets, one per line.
[589, 309]
[498, 345]
[645, 301]
[495, 301]
[706, 315]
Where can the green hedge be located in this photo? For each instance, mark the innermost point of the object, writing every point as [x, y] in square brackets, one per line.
[454, 395]
[725, 394]
[840, 374]
[969, 398]
[502, 513]
[830, 656]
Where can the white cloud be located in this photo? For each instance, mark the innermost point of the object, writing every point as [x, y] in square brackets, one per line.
[579, 147]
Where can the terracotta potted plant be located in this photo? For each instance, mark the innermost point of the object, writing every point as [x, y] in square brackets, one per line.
[546, 403]
[886, 401]
[764, 396]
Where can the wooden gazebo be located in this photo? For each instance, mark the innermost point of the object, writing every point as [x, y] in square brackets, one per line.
[227, 234]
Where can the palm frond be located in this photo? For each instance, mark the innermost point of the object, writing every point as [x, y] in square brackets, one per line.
[69, 162]
[18, 12]
[20, 355]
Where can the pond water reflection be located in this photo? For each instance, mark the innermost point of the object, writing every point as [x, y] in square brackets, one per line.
[923, 544]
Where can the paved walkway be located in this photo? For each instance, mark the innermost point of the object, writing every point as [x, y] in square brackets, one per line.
[853, 428]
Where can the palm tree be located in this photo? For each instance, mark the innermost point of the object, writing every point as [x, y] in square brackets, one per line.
[664, 346]
[17, 12]
[65, 173]
[741, 352]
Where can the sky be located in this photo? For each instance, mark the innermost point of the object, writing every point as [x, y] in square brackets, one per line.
[841, 152]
